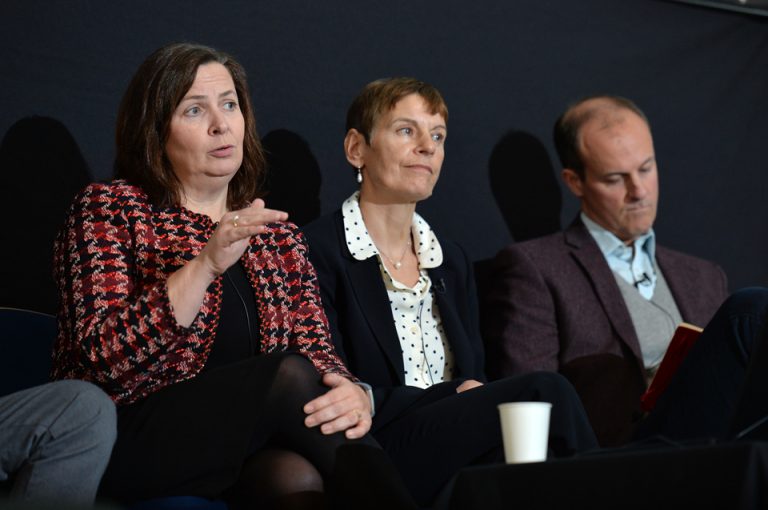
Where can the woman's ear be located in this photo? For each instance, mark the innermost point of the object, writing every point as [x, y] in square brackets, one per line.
[354, 148]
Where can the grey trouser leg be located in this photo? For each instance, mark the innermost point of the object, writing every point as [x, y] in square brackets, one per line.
[55, 441]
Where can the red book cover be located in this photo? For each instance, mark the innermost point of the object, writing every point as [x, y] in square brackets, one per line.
[682, 341]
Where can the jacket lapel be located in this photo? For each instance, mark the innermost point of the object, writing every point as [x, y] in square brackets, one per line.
[588, 255]
[446, 287]
[373, 303]
[679, 278]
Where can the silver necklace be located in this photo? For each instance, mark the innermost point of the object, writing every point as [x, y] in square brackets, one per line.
[399, 263]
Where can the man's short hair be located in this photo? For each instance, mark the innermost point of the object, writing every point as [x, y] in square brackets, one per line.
[567, 130]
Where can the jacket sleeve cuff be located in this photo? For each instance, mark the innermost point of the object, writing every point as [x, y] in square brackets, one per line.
[369, 391]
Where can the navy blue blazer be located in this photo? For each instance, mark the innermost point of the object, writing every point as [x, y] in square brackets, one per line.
[363, 330]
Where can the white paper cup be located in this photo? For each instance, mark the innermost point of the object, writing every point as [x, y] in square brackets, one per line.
[525, 431]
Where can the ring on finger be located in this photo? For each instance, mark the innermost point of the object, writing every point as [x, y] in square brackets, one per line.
[234, 220]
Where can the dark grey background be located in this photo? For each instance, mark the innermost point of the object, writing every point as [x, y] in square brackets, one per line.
[699, 73]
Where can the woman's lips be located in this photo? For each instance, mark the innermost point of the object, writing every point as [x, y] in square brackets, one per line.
[223, 151]
[423, 168]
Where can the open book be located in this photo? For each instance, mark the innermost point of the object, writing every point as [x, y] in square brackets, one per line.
[682, 341]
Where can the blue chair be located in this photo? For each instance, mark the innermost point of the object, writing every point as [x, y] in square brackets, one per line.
[179, 503]
[26, 341]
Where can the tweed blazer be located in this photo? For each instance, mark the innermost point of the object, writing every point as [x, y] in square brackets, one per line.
[116, 326]
[362, 328]
[553, 304]
[555, 299]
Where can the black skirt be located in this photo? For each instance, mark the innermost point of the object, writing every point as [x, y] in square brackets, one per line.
[192, 438]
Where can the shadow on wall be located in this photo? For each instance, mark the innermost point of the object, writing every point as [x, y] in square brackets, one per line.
[525, 186]
[41, 169]
[293, 176]
[527, 192]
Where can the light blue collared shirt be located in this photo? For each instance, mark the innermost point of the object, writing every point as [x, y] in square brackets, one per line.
[636, 266]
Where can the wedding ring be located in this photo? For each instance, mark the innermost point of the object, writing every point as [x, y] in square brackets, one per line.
[234, 220]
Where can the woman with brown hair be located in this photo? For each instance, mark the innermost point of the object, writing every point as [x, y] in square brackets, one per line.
[194, 306]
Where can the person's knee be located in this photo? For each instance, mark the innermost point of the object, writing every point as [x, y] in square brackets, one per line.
[288, 472]
[276, 478]
[295, 367]
[91, 408]
[551, 387]
[750, 301]
[740, 324]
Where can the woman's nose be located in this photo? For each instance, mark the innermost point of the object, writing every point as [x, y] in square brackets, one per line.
[218, 124]
[427, 143]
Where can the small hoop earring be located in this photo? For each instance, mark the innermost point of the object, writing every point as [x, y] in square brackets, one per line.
[359, 175]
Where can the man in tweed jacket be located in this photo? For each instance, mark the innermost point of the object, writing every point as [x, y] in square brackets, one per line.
[599, 301]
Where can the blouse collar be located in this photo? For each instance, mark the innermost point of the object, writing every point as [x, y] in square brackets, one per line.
[362, 247]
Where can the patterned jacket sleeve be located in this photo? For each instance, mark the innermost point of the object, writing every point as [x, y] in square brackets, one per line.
[310, 333]
[112, 330]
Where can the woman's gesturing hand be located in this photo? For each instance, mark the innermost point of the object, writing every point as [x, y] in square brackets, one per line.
[187, 286]
[229, 241]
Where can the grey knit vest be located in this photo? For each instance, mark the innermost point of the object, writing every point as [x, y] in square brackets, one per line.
[655, 320]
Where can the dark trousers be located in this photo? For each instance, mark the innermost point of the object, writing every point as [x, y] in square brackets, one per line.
[435, 438]
[712, 381]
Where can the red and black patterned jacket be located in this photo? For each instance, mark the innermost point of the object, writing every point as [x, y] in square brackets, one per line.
[116, 326]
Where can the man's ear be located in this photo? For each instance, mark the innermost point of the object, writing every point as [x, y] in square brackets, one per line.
[574, 181]
[354, 145]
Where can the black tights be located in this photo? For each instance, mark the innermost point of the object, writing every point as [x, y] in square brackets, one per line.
[207, 437]
[276, 479]
[294, 383]
[279, 478]
[281, 420]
